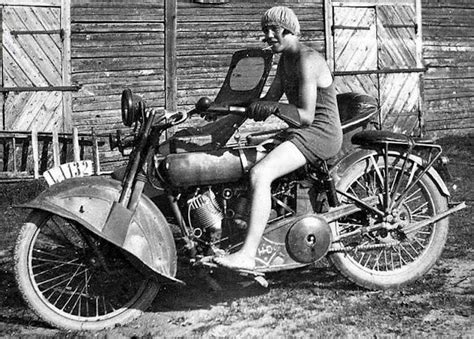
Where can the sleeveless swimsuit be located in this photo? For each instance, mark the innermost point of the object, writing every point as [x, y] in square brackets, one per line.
[321, 140]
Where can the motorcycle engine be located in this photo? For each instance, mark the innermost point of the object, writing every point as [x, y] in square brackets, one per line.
[218, 215]
[205, 213]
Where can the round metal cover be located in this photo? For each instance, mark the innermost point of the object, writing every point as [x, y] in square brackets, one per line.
[308, 240]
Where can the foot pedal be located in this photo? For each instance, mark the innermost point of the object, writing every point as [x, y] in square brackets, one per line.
[262, 281]
[257, 276]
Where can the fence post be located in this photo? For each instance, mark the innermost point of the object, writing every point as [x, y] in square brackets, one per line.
[95, 152]
[75, 144]
[56, 149]
[14, 154]
[34, 147]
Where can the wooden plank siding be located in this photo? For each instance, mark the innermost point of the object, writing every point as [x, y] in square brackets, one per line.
[115, 44]
[448, 51]
[208, 35]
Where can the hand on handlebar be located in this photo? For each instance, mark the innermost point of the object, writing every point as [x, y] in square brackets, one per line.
[210, 110]
[261, 110]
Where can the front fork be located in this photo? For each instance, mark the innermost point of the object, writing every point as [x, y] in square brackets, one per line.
[122, 211]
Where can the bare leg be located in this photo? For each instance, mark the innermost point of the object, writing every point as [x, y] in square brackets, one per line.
[285, 158]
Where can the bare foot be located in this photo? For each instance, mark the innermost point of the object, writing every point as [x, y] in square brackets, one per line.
[236, 261]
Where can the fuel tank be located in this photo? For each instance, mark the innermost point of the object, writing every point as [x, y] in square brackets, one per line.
[207, 168]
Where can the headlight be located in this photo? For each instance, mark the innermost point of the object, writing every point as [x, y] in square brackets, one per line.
[133, 107]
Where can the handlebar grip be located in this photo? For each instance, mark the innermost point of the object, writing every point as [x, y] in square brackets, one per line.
[205, 105]
[237, 109]
[225, 110]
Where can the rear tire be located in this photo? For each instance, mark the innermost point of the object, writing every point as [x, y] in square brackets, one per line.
[393, 258]
[75, 280]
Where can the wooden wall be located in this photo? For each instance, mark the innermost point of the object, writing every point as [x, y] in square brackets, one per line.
[448, 51]
[209, 34]
[118, 43]
[115, 44]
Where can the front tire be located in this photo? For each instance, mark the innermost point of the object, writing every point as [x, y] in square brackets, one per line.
[73, 279]
[392, 257]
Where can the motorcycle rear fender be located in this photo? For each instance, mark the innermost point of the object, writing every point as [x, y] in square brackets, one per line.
[360, 154]
[89, 200]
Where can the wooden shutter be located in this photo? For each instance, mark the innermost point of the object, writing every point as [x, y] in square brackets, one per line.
[355, 49]
[400, 90]
[33, 61]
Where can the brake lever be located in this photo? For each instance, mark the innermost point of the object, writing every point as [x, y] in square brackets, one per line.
[179, 117]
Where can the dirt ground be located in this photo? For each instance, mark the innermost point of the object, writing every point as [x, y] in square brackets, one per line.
[310, 302]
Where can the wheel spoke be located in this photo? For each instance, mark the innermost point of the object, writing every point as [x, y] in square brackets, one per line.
[402, 260]
[363, 187]
[43, 243]
[67, 284]
[385, 258]
[377, 170]
[54, 268]
[48, 253]
[418, 241]
[377, 258]
[362, 257]
[70, 298]
[53, 279]
[367, 260]
[414, 168]
[407, 252]
[414, 249]
[420, 208]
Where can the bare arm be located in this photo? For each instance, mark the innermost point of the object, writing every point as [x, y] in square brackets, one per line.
[308, 85]
[313, 73]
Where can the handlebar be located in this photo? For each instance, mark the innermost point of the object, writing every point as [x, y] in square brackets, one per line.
[205, 105]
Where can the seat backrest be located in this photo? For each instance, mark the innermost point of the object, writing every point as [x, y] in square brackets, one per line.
[248, 72]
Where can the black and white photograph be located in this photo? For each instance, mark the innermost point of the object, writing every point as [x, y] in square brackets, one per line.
[236, 169]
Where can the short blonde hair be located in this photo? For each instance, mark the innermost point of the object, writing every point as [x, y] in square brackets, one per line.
[281, 16]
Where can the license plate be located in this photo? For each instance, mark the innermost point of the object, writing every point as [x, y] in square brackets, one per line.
[60, 173]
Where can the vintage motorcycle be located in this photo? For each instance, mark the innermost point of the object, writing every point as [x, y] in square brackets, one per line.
[95, 250]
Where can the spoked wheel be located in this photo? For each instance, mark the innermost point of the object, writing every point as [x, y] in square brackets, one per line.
[389, 246]
[73, 279]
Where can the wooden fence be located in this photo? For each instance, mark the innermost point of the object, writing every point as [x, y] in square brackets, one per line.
[28, 155]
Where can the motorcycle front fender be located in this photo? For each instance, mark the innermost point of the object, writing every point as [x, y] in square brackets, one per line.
[89, 202]
[337, 171]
